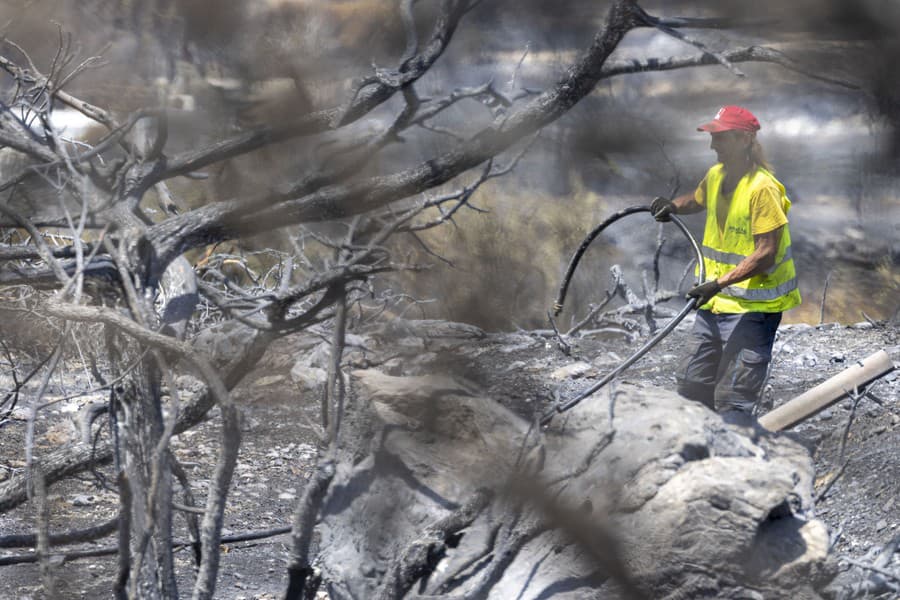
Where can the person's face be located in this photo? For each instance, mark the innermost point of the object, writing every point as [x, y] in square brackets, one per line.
[729, 146]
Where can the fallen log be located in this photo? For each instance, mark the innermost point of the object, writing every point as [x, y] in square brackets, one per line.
[828, 392]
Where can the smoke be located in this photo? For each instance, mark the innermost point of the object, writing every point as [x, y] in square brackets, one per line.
[223, 67]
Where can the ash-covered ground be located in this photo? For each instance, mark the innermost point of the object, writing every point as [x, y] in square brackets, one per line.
[525, 371]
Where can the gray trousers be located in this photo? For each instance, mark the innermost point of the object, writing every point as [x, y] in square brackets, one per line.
[726, 365]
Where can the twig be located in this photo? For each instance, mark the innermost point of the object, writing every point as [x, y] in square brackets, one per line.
[19, 385]
[32, 557]
[720, 58]
[615, 282]
[334, 389]
[409, 25]
[189, 507]
[821, 495]
[32, 410]
[42, 247]
[57, 539]
[145, 336]
[871, 321]
[870, 567]
[42, 518]
[745, 54]
[98, 388]
[561, 343]
[824, 295]
[660, 242]
[304, 520]
[856, 396]
[515, 74]
[211, 529]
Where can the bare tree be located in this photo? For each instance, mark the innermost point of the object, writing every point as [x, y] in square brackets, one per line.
[121, 266]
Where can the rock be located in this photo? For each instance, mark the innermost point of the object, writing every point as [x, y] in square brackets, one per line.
[796, 327]
[268, 380]
[517, 365]
[689, 489]
[425, 358]
[410, 344]
[573, 371]
[308, 378]
[83, 500]
[189, 384]
[352, 340]
[515, 342]
[319, 356]
[393, 366]
[19, 413]
[807, 360]
[699, 508]
[223, 341]
[439, 441]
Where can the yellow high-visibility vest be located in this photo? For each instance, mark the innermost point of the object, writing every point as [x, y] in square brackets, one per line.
[723, 248]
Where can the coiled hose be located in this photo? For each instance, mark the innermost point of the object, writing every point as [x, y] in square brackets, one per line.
[672, 324]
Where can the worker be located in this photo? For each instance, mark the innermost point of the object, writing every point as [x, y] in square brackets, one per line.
[750, 273]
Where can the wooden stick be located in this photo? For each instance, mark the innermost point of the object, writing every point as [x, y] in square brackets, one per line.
[828, 392]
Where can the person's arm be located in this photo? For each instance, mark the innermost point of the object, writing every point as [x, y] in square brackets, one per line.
[686, 205]
[662, 209]
[760, 260]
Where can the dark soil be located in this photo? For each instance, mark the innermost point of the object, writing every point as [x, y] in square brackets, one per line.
[280, 439]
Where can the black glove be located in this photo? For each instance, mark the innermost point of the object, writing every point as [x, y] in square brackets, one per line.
[662, 209]
[704, 292]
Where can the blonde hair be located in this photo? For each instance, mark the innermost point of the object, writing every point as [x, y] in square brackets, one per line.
[757, 156]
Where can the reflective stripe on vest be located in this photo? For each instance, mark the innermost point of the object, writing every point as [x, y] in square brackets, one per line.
[729, 258]
[761, 293]
[724, 247]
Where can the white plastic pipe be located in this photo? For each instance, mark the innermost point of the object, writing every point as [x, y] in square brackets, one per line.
[828, 392]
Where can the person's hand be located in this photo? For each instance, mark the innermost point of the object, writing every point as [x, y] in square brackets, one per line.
[557, 308]
[704, 292]
[662, 209]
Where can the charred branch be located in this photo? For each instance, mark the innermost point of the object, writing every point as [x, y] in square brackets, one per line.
[73, 459]
[75, 536]
[421, 556]
[371, 93]
[735, 55]
[32, 557]
[304, 519]
[33, 77]
[227, 219]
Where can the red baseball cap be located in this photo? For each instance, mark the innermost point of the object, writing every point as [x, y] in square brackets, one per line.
[729, 118]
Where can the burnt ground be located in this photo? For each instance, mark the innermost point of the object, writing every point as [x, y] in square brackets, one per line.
[861, 508]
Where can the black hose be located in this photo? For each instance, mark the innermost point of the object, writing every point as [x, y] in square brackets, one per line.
[561, 296]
